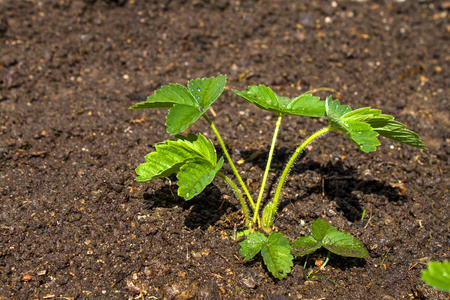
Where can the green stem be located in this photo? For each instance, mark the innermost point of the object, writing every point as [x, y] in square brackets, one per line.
[238, 194]
[266, 172]
[306, 261]
[291, 162]
[227, 155]
[326, 260]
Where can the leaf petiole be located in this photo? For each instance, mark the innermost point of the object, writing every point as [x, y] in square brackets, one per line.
[238, 195]
[291, 163]
[266, 172]
[230, 161]
[326, 260]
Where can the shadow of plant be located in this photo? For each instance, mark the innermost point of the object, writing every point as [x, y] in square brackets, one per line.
[202, 211]
[339, 183]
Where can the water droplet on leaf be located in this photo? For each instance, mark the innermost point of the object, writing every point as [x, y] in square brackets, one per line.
[199, 89]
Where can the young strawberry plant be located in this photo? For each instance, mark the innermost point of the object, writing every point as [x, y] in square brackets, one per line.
[194, 159]
[327, 236]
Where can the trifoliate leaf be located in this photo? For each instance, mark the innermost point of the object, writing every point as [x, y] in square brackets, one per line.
[172, 154]
[305, 245]
[252, 245]
[276, 253]
[363, 125]
[437, 275]
[186, 105]
[326, 235]
[275, 250]
[303, 105]
[320, 228]
[194, 157]
[344, 244]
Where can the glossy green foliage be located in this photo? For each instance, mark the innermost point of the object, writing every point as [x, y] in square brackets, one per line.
[437, 275]
[186, 105]
[327, 236]
[275, 250]
[362, 126]
[265, 98]
[193, 157]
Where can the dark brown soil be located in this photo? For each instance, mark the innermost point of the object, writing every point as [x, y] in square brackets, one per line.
[75, 224]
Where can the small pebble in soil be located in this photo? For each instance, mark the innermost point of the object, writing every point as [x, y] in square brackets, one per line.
[209, 291]
[249, 280]
[275, 297]
[181, 290]
[248, 283]
[8, 60]
[86, 37]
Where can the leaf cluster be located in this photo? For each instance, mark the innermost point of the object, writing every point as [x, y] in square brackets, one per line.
[193, 157]
[327, 236]
[362, 126]
[274, 248]
[186, 105]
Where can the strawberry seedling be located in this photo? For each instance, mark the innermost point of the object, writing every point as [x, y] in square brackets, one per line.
[193, 158]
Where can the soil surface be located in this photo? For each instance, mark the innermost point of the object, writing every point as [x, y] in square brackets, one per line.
[76, 225]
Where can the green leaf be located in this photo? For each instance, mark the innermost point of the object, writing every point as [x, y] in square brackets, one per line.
[194, 176]
[276, 253]
[387, 127]
[437, 275]
[194, 157]
[303, 105]
[363, 125]
[252, 245]
[275, 250]
[334, 110]
[167, 96]
[172, 154]
[320, 228]
[326, 235]
[344, 244]
[186, 105]
[305, 245]
[207, 90]
[180, 117]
